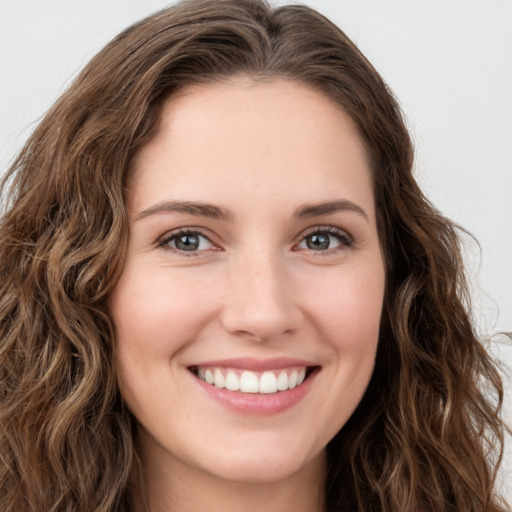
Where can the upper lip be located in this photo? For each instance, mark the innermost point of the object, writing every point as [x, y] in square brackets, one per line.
[255, 365]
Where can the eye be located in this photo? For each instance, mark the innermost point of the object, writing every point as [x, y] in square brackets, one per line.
[325, 239]
[186, 241]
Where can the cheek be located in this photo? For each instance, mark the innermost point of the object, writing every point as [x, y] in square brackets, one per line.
[157, 312]
[348, 310]
[347, 315]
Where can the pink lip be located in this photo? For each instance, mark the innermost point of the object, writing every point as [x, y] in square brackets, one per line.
[256, 365]
[258, 403]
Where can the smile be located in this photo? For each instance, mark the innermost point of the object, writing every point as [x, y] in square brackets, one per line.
[256, 387]
[246, 381]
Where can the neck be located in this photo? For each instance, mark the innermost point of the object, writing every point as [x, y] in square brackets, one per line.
[185, 489]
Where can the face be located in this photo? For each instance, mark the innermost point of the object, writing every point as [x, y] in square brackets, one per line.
[248, 310]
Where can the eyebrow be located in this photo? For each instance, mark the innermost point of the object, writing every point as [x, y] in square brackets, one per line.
[316, 210]
[189, 207]
[199, 209]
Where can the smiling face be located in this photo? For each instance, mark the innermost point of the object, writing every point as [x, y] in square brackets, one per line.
[253, 262]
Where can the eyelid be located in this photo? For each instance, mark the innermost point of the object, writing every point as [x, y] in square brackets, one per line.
[321, 228]
[188, 230]
[346, 239]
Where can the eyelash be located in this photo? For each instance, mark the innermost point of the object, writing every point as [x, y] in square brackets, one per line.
[163, 243]
[345, 240]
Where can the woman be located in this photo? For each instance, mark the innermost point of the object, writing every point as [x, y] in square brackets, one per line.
[222, 286]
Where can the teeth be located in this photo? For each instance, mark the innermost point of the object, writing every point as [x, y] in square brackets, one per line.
[208, 376]
[219, 379]
[282, 381]
[292, 379]
[268, 383]
[232, 381]
[251, 382]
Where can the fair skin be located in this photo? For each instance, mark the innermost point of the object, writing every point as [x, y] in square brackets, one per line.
[253, 258]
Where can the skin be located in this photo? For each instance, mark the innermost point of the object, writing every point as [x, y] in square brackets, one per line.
[256, 287]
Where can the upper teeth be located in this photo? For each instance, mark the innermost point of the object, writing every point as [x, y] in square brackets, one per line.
[252, 382]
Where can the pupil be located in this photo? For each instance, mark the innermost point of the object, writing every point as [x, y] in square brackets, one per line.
[187, 242]
[318, 242]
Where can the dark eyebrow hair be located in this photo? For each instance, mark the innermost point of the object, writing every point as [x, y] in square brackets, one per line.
[189, 207]
[315, 210]
[216, 212]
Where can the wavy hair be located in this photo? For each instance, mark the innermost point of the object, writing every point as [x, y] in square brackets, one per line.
[427, 434]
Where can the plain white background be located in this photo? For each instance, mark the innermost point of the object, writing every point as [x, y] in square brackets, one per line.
[449, 63]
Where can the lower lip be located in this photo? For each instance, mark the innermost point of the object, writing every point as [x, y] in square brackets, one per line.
[258, 403]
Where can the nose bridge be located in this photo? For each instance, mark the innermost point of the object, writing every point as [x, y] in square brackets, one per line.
[260, 301]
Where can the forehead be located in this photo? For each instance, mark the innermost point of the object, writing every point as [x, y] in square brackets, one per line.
[280, 135]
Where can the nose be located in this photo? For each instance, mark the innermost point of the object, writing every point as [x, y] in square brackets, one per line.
[260, 303]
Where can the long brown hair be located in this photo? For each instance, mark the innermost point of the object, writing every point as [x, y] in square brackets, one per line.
[426, 436]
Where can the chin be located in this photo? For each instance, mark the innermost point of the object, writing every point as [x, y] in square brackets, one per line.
[263, 464]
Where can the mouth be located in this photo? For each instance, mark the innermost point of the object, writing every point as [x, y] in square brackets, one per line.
[254, 386]
[246, 381]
